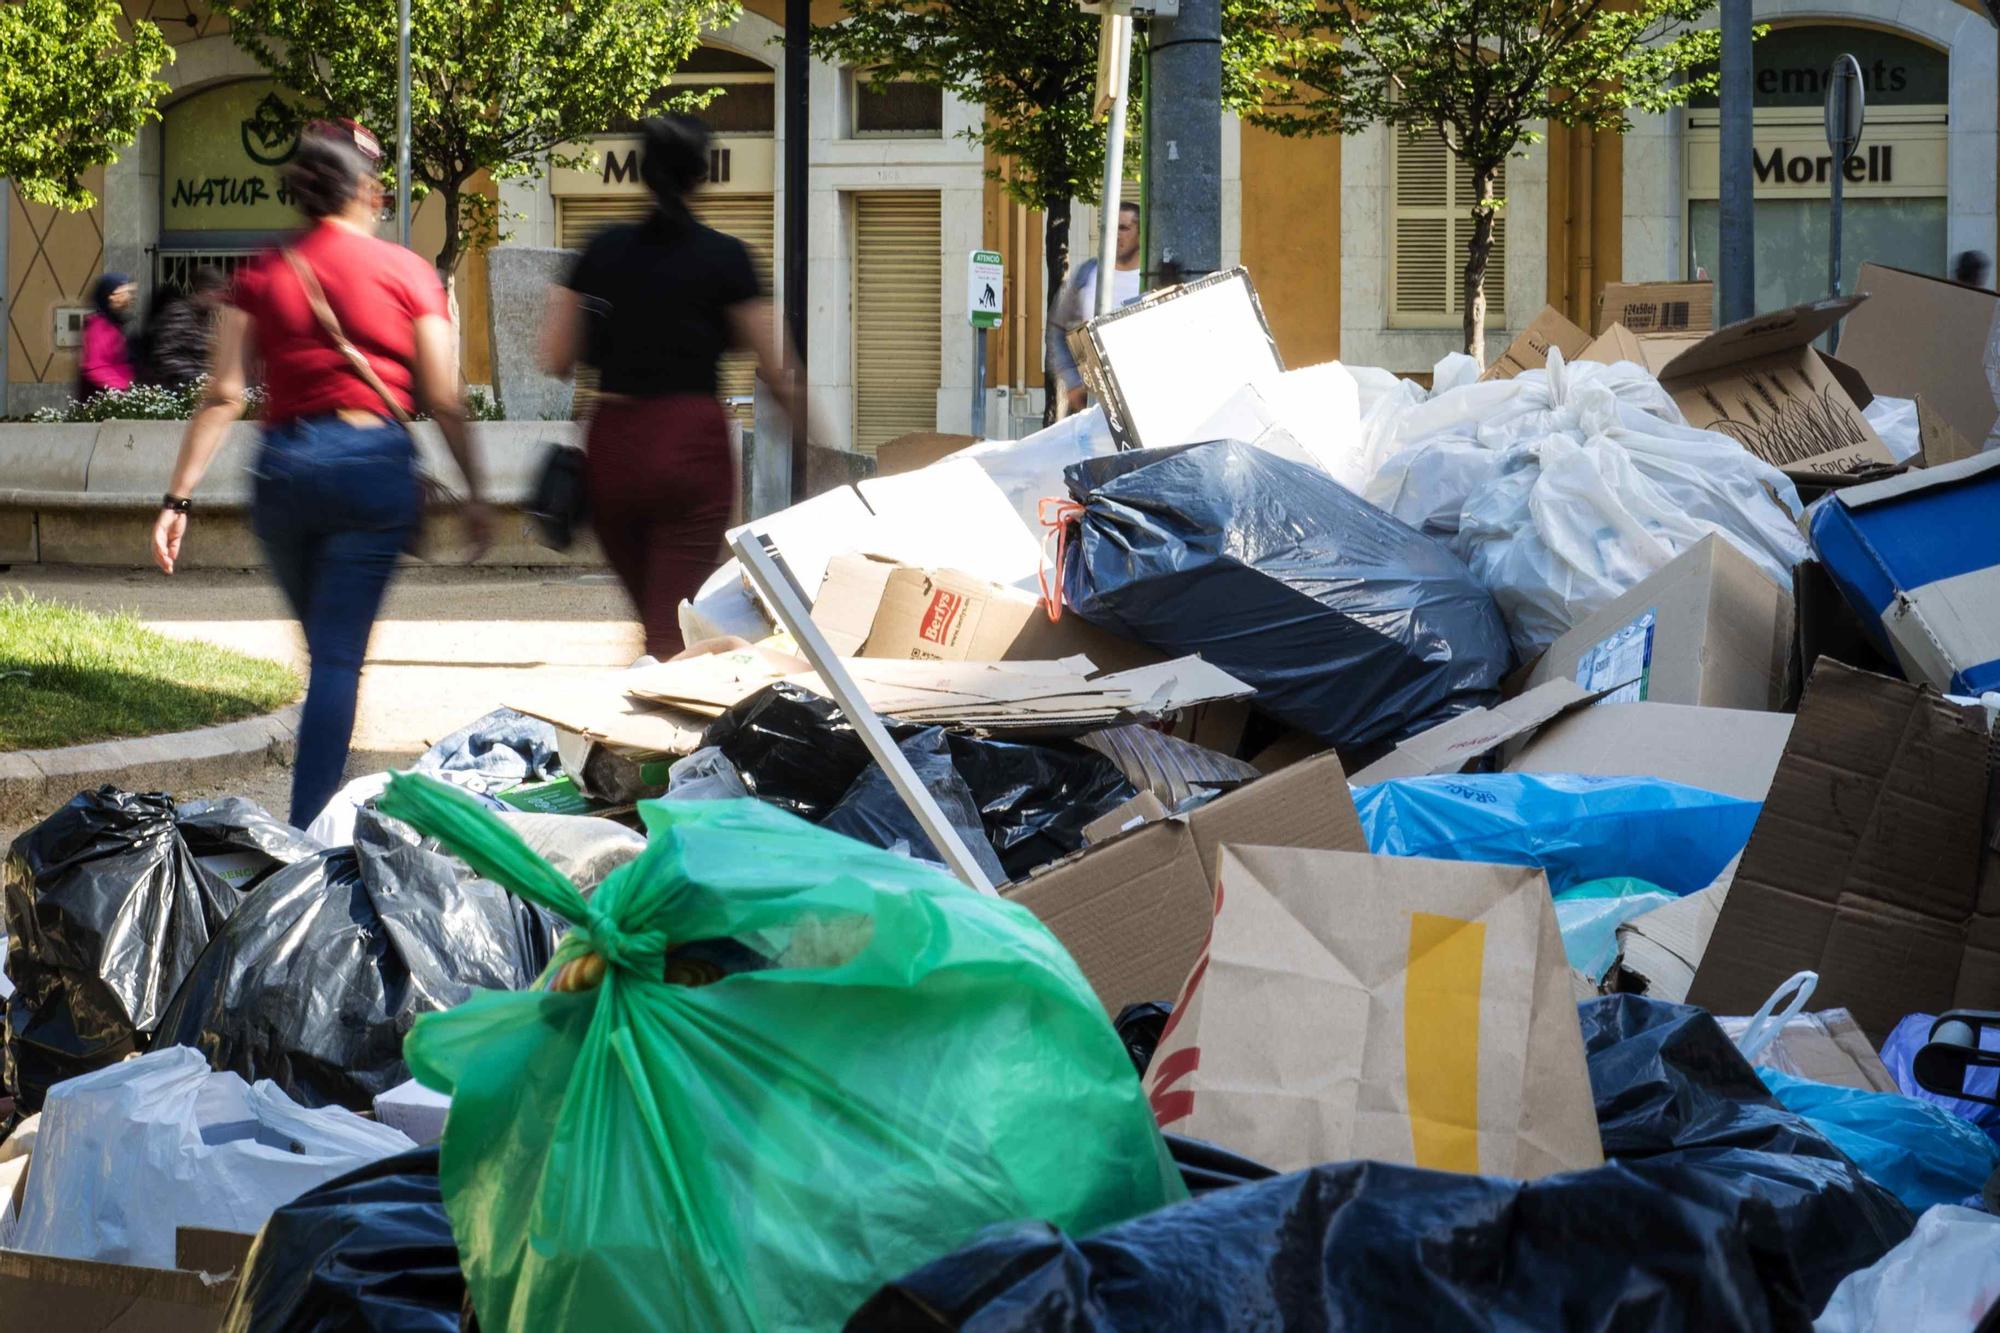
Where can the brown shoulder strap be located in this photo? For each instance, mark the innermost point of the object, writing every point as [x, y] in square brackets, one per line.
[316, 298]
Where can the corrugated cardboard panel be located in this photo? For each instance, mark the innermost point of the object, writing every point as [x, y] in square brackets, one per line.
[1761, 336]
[1132, 912]
[1865, 865]
[39, 1291]
[1530, 351]
[1305, 805]
[1946, 366]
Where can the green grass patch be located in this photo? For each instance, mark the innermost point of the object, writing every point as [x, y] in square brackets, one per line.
[68, 676]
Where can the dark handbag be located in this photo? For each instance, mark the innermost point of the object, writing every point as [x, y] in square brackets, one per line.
[557, 507]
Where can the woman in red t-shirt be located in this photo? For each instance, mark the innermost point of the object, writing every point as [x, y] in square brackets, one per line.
[353, 332]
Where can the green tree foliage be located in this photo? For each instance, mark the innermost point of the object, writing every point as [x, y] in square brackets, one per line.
[1031, 67]
[76, 85]
[497, 85]
[1482, 75]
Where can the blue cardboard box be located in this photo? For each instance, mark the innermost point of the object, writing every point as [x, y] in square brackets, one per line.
[1918, 558]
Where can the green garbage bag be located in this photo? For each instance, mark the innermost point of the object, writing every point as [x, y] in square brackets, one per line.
[887, 1063]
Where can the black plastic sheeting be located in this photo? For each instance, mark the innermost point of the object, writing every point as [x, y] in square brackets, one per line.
[1036, 800]
[873, 813]
[797, 750]
[107, 911]
[1140, 1027]
[1351, 625]
[1720, 1211]
[370, 1251]
[316, 979]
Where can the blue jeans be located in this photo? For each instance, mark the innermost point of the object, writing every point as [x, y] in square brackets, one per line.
[336, 504]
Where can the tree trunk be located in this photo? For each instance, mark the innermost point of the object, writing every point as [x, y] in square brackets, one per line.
[1055, 260]
[1476, 254]
[450, 251]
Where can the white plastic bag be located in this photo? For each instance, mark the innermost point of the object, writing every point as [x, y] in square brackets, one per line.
[584, 848]
[1942, 1279]
[1595, 493]
[128, 1154]
[705, 775]
[1895, 423]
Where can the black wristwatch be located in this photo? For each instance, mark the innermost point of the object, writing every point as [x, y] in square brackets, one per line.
[180, 504]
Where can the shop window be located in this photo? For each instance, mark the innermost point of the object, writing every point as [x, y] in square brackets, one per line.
[899, 110]
[742, 94]
[1430, 206]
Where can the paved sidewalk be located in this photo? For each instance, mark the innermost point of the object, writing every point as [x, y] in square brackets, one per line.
[450, 644]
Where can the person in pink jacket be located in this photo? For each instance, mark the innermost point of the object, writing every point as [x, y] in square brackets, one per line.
[105, 362]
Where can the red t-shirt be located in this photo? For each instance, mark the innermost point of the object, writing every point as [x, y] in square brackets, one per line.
[378, 290]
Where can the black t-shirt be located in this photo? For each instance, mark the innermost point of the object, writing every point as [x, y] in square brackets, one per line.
[656, 298]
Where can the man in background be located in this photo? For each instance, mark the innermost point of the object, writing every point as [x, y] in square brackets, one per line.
[1077, 304]
[180, 335]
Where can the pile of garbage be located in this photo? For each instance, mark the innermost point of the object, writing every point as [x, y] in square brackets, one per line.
[1322, 850]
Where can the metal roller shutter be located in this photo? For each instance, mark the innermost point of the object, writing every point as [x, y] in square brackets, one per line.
[747, 217]
[898, 359]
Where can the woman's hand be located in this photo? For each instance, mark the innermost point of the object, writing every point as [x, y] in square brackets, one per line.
[478, 517]
[168, 529]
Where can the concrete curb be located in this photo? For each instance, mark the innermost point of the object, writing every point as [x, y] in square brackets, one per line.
[35, 782]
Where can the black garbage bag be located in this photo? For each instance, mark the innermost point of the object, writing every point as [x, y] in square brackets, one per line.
[1036, 800]
[873, 813]
[316, 979]
[793, 748]
[1140, 1027]
[1351, 625]
[239, 841]
[107, 910]
[1723, 1211]
[797, 750]
[372, 1251]
[1206, 1167]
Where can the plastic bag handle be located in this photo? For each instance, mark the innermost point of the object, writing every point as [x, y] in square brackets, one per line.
[1765, 1026]
[1056, 515]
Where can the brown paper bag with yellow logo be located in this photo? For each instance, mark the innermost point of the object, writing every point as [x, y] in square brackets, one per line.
[1390, 1008]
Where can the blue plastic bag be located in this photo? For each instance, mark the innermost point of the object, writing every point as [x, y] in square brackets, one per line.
[1575, 828]
[1921, 1153]
[1901, 1049]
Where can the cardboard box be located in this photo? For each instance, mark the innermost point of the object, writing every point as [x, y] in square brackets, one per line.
[1657, 307]
[1729, 750]
[1866, 864]
[1828, 627]
[869, 607]
[207, 1250]
[1451, 745]
[920, 448]
[1760, 382]
[1161, 367]
[1619, 343]
[1141, 809]
[1826, 1047]
[1133, 911]
[1918, 558]
[82, 1296]
[1530, 351]
[1659, 951]
[1710, 628]
[1945, 364]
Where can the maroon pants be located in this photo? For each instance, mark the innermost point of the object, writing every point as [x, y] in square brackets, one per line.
[660, 481]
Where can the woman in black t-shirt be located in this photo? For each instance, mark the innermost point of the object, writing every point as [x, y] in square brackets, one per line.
[652, 307]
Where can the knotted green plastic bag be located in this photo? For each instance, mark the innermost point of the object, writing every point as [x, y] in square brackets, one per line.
[887, 1063]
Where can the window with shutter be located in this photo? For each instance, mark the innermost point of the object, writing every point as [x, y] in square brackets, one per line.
[1430, 225]
[898, 283]
[747, 217]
